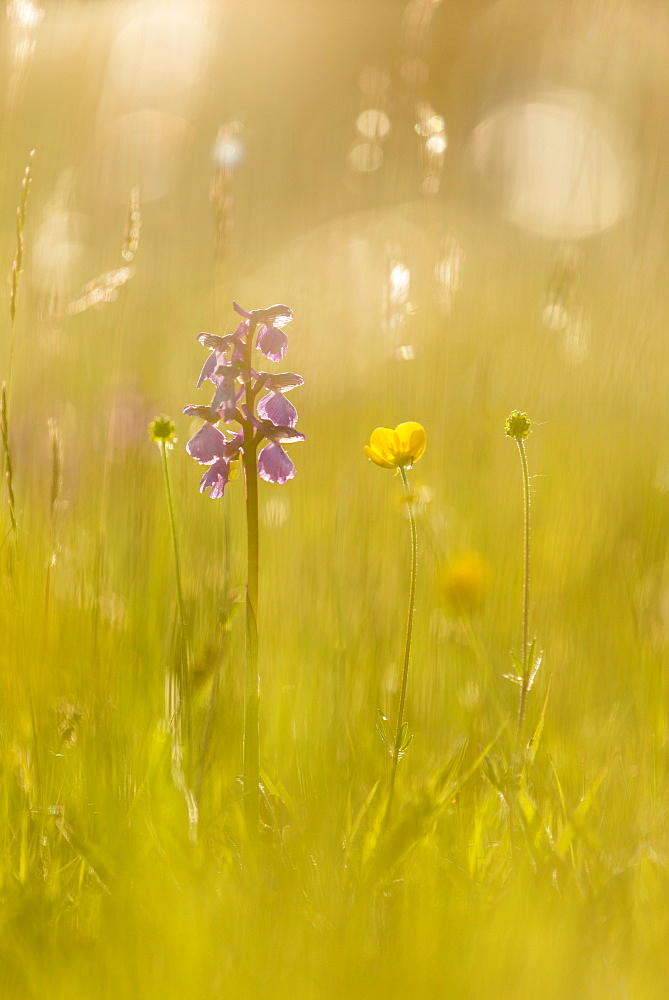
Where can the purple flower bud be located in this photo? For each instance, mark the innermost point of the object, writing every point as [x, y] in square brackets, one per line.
[274, 465]
[238, 309]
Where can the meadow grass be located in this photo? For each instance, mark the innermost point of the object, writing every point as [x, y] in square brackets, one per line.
[481, 886]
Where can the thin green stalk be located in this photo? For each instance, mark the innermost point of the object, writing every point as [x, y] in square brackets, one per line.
[9, 473]
[183, 695]
[527, 667]
[400, 743]
[251, 752]
[56, 485]
[17, 263]
[178, 683]
[173, 530]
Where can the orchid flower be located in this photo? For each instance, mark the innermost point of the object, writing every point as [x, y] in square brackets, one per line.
[255, 400]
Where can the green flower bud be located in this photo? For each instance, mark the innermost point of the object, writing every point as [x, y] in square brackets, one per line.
[162, 430]
[518, 425]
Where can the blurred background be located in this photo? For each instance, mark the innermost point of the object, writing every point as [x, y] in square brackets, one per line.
[466, 205]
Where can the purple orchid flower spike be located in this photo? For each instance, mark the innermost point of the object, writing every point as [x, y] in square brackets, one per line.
[255, 400]
[266, 420]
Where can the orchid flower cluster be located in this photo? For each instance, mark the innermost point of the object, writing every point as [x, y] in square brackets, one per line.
[271, 418]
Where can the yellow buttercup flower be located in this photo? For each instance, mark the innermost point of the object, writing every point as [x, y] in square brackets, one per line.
[463, 581]
[399, 448]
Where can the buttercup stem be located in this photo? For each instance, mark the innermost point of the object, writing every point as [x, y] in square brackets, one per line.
[181, 705]
[183, 678]
[251, 751]
[407, 646]
[526, 590]
[173, 531]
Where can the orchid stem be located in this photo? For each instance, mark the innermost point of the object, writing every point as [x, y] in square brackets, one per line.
[251, 751]
[397, 748]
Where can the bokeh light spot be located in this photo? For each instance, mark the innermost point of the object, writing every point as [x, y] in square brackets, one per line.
[556, 170]
[365, 157]
[373, 124]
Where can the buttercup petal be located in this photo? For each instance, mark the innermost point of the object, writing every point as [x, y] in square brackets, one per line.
[382, 441]
[410, 442]
[376, 457]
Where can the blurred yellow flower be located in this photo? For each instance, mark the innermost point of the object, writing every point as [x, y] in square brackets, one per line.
[396, 449]
[463, 581]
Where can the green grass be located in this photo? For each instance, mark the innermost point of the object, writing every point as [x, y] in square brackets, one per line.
[558, 888]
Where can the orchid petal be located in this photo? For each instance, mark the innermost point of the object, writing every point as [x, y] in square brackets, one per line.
[278, 410]
[207, 445]
[234, 445]
[214, 343]
[216, 479]
[276, 315]
[203, 412]
[270, 430]
[238, 355]
[224, 399]
[274, 465]
[208, 370]
[284, 381]
[273, 342]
